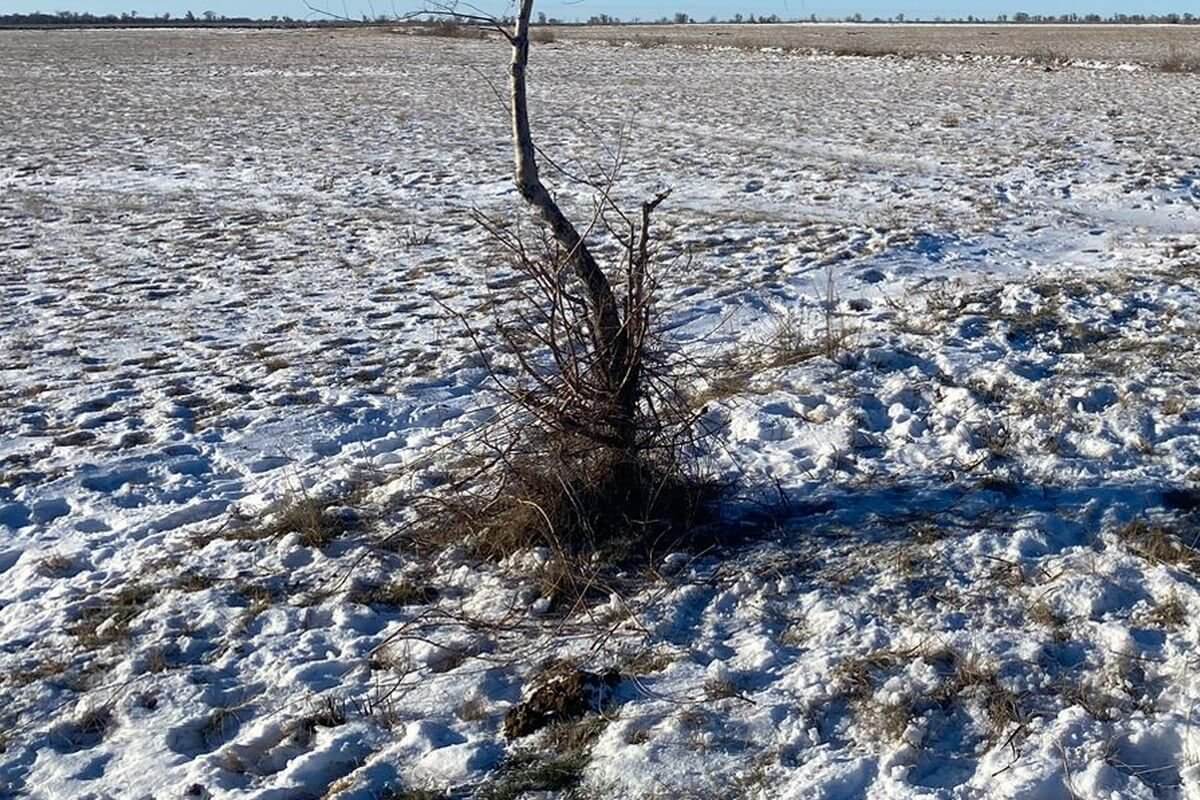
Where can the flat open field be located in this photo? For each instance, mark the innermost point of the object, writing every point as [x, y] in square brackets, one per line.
[228, 266]
[1138, 44]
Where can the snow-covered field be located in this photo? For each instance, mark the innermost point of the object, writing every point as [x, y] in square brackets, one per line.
[223, 264]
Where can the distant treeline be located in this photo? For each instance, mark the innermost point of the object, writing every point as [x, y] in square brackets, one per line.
[205, 19]
[1020, 18]
[72, 19]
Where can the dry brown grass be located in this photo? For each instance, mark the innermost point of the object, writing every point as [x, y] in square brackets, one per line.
[595, 513]
[1099, 704]
[856, 679]
[886, 721]
[392, 659]
[194, 582]
[966, 679]
[790, 338]
[86, 730]
[413, 794]
[106, 621]
[647, 662]
[533, 774]
[733, 380]
[556, 766]
[573, 736]
[973, 678]
[1178, 61]
[158, 659]
[1041, 613]
[327, 712]
[45, 669]
[257, 599]
[1039, 44]
[445, 28]
[721, 688]
[472, 710]
[303, 515]
[397, 593]
[1168, 614]
[1160, 544]
[55, 565]
[220, 723]
[855, 676]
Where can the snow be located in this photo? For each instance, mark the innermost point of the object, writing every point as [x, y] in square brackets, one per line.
[219, 261]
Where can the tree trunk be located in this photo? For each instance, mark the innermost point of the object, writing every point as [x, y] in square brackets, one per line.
[609, 335]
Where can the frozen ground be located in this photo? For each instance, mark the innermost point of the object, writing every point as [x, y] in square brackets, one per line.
[219, 255]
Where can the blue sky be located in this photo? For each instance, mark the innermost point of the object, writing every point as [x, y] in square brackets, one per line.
[628, 9]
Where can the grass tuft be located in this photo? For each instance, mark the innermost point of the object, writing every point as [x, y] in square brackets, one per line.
[1168, 614]
[221, 723]
[1159, 544]
[328, 712]
[594, 514]
[647, 662]
[472, 710]
[396, 594]
[888, 721]
[1179, 62]
[257, 599]
[530, 772]
[855, 675]
[56, 565]
[719, 688]
[309, 517]
[194, 582]
[45, 669]
[447, 29]
[107, 621]
[85, 731]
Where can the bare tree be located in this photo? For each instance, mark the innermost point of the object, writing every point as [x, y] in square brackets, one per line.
[617, 335]
[605, 384]
[607, 465]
